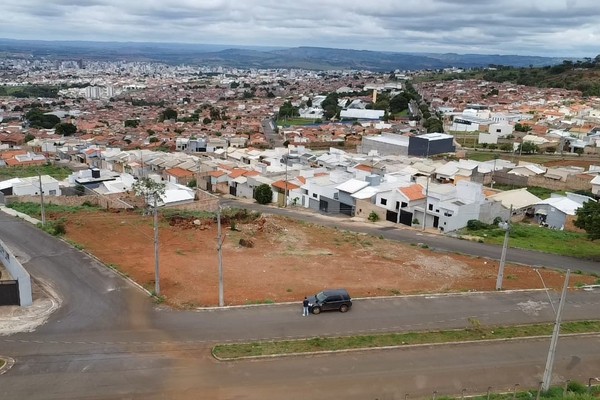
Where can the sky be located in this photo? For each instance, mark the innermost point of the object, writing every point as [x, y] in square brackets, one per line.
[561, 28]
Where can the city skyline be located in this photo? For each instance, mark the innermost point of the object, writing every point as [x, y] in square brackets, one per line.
[555, 28]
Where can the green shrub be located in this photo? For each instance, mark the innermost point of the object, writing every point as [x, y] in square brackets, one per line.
[373, 216]
[476, 225]
[263, 194]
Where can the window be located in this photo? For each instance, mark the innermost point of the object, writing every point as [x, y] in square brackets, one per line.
[315, 195]
[383, 202]
[430, 207]
[498, 130]
[336, 196]
[404, 204]
[52, 192]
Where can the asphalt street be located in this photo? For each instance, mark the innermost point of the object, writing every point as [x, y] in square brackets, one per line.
[108, 340]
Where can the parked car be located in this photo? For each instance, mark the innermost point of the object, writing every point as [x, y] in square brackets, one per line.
[334, 299]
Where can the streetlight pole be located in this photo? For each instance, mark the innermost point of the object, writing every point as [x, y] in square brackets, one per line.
[426, 204]
[42, 208]
[547, 379]
[547, 293]
[219, 249]
[286, 176]
[156, 257]
[506, 226]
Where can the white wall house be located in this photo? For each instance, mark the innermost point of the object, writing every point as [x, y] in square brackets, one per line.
[31, 186]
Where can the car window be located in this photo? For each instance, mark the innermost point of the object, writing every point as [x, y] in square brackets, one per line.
[336, 297]
[321, 296]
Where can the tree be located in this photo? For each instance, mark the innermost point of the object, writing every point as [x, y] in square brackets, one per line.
[149, 189]
[287, 110]
[132, 123]
[506, 147]
[330, 106]
[263, 194]
[65, 129]
[167, 114]
[433, 124]
[588, 219]
[522, 128]
[528, 148]
[38, 119]
[29, 137]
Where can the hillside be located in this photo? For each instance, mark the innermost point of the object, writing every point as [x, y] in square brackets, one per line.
[581, 75]
[315, 58]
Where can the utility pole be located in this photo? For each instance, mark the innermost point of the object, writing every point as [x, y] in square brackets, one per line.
[42, 209]
[156, 258]
[493, 171]
[505, 226]
[547, 379]
[220, 251]
[285, 195]
[426, 203]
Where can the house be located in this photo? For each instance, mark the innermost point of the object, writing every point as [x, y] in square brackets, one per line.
[559, 211]
[596, 185]
[178, 175]
[520, 200]
[347, 203]
[527, 169]
[430, 144]
[409, 197]
[31, 186]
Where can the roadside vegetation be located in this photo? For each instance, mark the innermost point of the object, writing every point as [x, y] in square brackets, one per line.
[534, 237]
[475, 332]
[54, 171]
[297, 121]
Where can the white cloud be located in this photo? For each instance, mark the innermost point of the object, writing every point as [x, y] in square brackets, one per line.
[541, 27]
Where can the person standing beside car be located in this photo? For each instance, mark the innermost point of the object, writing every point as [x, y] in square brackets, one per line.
[305, 307]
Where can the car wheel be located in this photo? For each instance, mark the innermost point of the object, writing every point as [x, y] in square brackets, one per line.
[316, 310]
[343, 308]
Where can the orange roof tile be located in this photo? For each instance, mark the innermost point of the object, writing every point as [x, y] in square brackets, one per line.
[216, 174]
[413, 192]
[281, 184]
[179, 172]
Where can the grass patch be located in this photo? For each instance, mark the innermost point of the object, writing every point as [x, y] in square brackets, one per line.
[35, 210]
[54, 171]
[533, 237]
[474, 332]
[265, 301]
[297, 121]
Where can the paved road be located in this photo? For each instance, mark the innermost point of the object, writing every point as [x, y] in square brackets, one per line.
[109, 341]
[271, 136]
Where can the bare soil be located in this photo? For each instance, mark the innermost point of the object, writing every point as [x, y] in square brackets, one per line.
[281, 259]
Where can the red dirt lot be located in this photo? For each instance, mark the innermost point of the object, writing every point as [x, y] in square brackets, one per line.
[283, 260]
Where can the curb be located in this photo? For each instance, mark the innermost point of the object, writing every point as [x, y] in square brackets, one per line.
[287, 303]
[400, 346]
[8, 364]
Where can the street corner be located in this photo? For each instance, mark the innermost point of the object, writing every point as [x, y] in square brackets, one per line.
[15, 319]
[7, 363]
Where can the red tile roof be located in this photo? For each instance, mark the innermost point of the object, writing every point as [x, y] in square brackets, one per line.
[413, 192]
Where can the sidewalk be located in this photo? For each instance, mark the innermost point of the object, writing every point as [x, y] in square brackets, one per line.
[14, 319]
[15, 213]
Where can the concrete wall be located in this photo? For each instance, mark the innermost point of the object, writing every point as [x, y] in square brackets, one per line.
[112, 201]
[364, 208]
[18, 273]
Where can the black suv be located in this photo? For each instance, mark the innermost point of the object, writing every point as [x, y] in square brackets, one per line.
[335, 299]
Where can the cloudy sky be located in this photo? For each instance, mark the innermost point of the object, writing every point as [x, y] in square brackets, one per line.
[569, 28]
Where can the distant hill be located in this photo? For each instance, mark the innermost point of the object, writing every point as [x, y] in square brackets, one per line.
[316, 58]
[582, 75]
